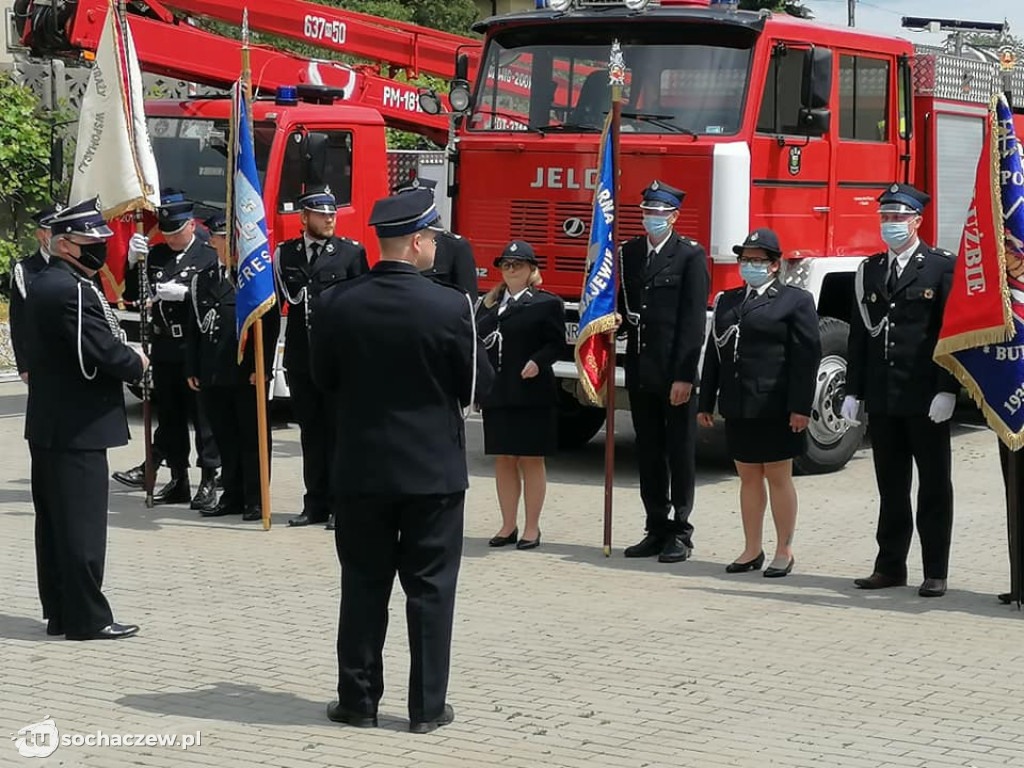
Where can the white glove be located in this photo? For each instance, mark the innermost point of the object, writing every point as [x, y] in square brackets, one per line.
[138, 248]
[849, 410]
[171, 291]
[942, 407]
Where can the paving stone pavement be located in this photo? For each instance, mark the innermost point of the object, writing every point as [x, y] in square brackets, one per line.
[561, 656]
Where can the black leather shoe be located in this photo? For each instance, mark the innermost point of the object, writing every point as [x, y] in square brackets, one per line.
[252, 513]
[54, 628]
[504, 541]
[426, 726]
[302, 520]
[113, 631]
[338, 714]
[529, 543]
[1005, 598]
[175, 492]
[221, 509]
[932, 588]
[206, 494]
[774, 572]
[133, 478]
[880, 581]
[329, 525]
[750, 565]
[649, 546]
[676, 550]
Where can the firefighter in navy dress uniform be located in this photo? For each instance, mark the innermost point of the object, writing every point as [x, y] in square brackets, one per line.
[226, 388]
[899, 299]
[171, 265]
[301, 266]
[25, 271]
[454, 263]
[400, 355]
[523, 329]
[138, 251]
[760, 364]
[77, 363]
[664, 293]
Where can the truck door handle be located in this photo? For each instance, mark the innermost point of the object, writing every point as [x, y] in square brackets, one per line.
[821, 209]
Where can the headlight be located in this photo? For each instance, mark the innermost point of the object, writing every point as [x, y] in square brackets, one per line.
[429, 102]
[637, 5]
[458, 96]
[559, 5]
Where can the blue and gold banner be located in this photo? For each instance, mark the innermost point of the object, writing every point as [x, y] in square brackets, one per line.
[982, 338]
[255, 273]
[595, 343]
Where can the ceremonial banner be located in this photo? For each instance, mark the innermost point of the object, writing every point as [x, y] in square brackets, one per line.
[113, 156]
[255, 275]
[982, 337]
[597, 304]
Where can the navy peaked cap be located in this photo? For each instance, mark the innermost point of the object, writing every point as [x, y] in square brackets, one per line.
[405, 214]
[217, 224]
[42, 217]
[661, 196]
[413, 184]
[84, 218]
[905, 195]
[318, 199]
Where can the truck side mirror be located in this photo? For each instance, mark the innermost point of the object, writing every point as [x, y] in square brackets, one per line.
[314, 156]
[815, 89]
[462, 66]
[57, 161]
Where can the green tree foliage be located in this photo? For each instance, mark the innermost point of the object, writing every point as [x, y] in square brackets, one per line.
[791, 7]
[24, 168]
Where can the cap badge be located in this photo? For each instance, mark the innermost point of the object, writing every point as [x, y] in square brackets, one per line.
[754, 237]
[513, 248]
[327, 190]
[894, 188]
[654, 186]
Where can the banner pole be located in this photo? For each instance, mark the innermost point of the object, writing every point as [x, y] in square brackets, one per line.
[257, 326]
[1013, 516]
[616, 73]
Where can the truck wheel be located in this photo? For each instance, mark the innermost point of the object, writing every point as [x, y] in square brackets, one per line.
[831, 442]
[577, 423]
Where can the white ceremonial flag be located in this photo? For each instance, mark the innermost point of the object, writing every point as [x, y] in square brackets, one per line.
[113, 157]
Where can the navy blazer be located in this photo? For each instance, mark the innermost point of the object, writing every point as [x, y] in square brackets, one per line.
[25, 271]
[762, 354]
[454, 264]
[396, 351]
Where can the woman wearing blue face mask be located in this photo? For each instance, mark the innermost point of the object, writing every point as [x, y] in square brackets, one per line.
[760, 363]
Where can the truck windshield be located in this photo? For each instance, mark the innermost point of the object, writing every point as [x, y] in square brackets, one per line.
[192, 155]
[680, 78]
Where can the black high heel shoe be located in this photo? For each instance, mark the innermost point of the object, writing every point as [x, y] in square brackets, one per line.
[504, 541]
[529, 543]
[774, 572]
[750, 565]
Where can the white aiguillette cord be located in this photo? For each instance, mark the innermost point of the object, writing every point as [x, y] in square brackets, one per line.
[468, 409]
[81, 359]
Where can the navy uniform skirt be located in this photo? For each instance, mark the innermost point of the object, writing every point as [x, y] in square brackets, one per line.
[761, 441]
[530, 431]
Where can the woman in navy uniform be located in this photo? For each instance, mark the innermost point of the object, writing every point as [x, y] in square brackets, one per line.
[226, 387]
[300, 267]
[664, 293]
[77, 363]
[523, 329]
[760, 363]
[400, 355]
[899, 299]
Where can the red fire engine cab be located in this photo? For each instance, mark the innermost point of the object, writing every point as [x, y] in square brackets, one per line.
[764, 120]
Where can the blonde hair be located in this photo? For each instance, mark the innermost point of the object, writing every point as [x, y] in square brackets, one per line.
[496, 293]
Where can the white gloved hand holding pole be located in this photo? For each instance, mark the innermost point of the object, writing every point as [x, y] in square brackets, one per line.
[942, 407]
[171, 291]
[850, 409]
[138, 249]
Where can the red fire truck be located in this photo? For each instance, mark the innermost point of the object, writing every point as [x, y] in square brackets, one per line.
[764, 120]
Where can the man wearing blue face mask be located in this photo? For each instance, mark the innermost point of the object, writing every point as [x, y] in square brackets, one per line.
[664, 295]
[899, 300]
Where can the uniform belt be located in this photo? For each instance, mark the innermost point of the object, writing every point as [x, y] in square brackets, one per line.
[176, 330]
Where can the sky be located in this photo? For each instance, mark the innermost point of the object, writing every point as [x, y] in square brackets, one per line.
[885, 15]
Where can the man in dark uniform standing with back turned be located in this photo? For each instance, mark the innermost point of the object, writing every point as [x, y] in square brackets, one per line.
[400, 355]
[664, 293]
[899, 299]
[77, 362]
[25, 271]
[301, 266]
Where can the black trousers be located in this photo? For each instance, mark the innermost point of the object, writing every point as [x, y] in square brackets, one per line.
[666, 441]
[177, 406]
[898, 443]
[420, 539]
[312, 409]
[232, 412]
[69, 492]
[1004, 465]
